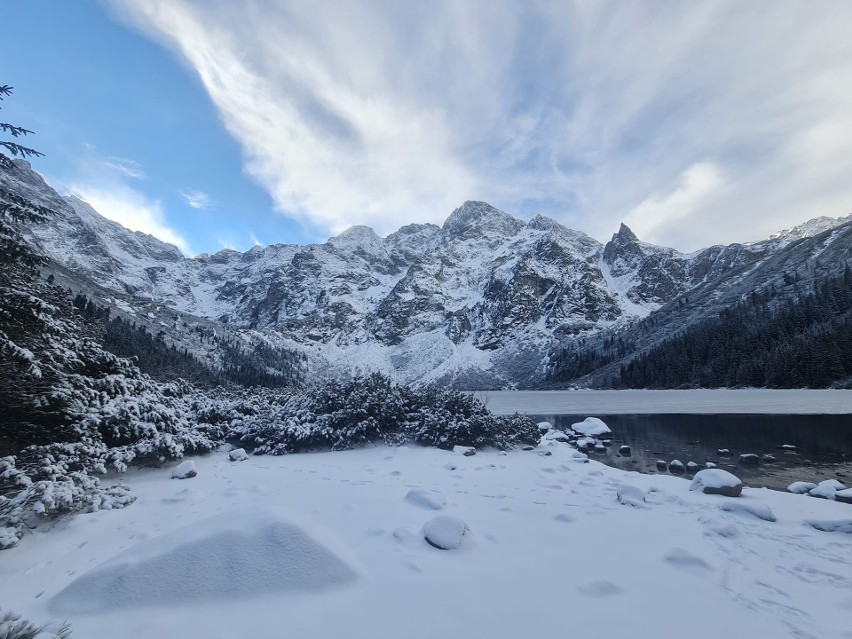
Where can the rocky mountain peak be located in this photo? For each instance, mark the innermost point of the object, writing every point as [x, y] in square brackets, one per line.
[479, 218]
[624, 241]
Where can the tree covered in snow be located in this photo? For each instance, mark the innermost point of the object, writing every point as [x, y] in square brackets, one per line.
[13, 627]
[338, 415]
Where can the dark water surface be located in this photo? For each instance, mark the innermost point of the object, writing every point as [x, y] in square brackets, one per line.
[823, 444]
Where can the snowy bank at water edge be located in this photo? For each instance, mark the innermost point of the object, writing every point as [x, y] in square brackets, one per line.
[335, 544]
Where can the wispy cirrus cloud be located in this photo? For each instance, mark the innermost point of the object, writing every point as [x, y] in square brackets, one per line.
[197, 199]
[111, 186]
[698, 122]
[126, 167]
[131, 209]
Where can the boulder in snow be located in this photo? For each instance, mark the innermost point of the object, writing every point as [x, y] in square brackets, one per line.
[709, 465]
[184, 470]
[661, 464]
[429, 499]
[724, 452]
[827, 489]
[749, 459]
[556, 436]
[844, 496]
[238, 454]
[592, 427]
[467, 451]
[545, 426]
[715, 481]
[692, 467]
[625, 451]
[445, 532]
[676, 467]
[801, 487]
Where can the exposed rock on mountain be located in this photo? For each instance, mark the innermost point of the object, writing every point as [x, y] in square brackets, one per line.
[487, 300]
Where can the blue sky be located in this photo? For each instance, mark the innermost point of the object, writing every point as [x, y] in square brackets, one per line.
[213, 123]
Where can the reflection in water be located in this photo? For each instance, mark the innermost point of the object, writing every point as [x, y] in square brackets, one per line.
[823, 444]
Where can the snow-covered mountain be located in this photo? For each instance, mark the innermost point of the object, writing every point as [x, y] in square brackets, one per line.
[480, 301]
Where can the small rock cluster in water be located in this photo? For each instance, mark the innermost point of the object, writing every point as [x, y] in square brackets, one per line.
[593, 435]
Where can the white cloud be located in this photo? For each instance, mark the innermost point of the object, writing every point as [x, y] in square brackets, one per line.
[132, 210]
[696, 188]
[717, 121]
[127, 168]
[197, 199]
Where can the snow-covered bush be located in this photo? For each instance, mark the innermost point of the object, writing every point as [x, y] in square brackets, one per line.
[362, 411]
[13, 627]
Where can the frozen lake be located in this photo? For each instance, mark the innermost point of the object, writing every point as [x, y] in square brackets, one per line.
[667, 402]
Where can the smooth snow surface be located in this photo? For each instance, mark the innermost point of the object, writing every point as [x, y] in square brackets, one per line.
[275, 544]
[693, 402]
[223, 558]
[428, 499]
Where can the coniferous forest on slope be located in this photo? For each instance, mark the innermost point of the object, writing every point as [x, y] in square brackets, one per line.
[804, 342]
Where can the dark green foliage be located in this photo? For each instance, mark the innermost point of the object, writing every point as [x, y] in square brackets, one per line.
[247, 365]
[338, 415]
[13, 627]
[17, 150]
[803, 342]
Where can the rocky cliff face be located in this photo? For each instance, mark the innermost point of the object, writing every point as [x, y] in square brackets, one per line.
[479, 302]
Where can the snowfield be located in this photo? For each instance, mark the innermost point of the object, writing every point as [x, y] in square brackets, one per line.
[332, 545]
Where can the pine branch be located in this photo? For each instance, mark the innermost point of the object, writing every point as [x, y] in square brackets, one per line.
[16, 131]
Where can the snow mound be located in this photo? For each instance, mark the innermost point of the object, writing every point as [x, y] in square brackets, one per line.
[761, 511]
[631, 496]
[591, 427]
[801, 487]
[239, 555]
[715, 481]
[833, 525]
[467, 451]
[827, 489]
[445, 532]
[184, 470]
[430, 499]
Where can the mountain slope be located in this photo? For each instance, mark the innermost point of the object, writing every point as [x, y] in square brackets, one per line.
[486, 300]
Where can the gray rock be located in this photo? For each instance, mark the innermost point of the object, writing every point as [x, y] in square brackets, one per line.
[750, 459]
[715, 481]
[184, 470]
[238, 454]
[844, 496]
[676, 467]
[445, 532]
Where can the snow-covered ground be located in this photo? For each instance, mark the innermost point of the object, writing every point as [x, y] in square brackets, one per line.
[328, 545]
[639, 402]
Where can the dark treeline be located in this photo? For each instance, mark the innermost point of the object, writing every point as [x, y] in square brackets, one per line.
[803, 342]
[258, 365]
